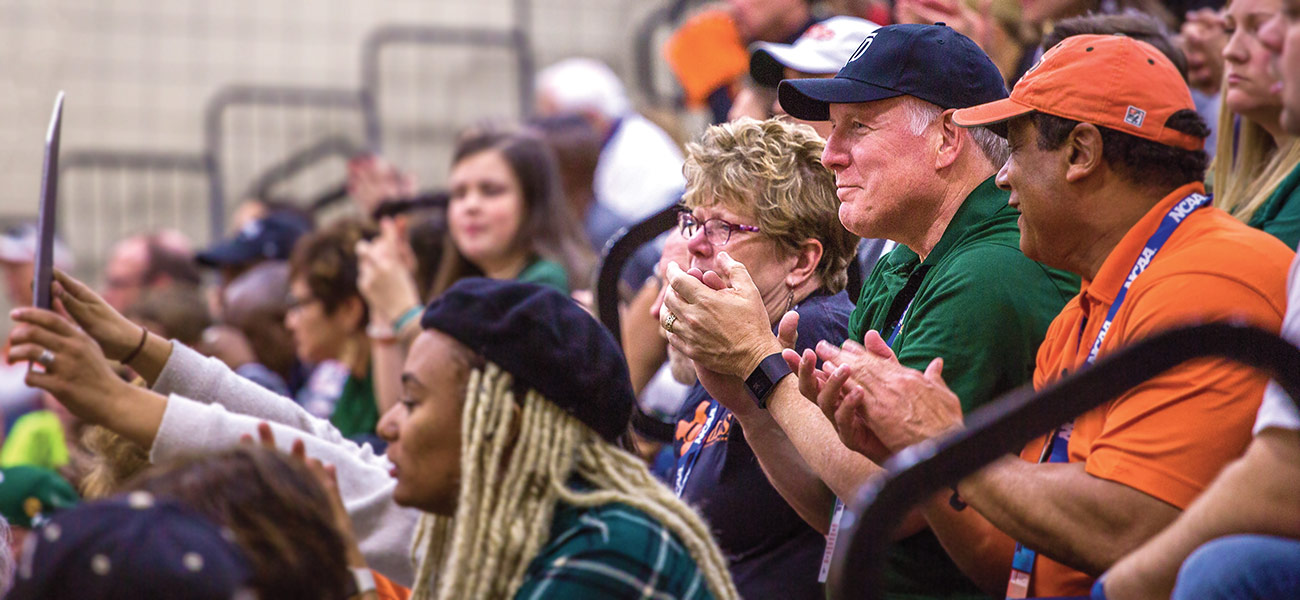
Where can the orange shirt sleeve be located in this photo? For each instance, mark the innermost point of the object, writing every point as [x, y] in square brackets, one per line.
[388, 590]
[1170, 436]
[706, 53]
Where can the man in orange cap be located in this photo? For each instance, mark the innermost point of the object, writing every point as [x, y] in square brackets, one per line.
[1105, 169]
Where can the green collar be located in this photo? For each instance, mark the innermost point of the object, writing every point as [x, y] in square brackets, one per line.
[982, 202]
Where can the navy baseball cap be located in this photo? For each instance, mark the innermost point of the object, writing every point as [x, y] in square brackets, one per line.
[930, 62]
[132, 546]
[270, 238]
[546, 341]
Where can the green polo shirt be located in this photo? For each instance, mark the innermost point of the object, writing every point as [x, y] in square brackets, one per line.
[984, 308]
[1280, 214]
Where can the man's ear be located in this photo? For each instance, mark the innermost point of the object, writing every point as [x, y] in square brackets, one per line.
[1083, 152]
[952, 138]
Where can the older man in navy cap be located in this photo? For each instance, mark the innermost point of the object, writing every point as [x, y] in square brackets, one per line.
[957, 286]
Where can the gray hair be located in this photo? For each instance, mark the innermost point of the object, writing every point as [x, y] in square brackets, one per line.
[921, 114]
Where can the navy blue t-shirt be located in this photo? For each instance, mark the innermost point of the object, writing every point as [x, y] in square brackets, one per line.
[772, 552]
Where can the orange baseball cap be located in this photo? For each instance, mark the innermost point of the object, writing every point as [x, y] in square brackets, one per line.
[1108, 80]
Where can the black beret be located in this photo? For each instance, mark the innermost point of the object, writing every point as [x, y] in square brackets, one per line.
[546, 342]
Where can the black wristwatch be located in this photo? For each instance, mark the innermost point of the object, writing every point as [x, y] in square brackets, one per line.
[764, 379]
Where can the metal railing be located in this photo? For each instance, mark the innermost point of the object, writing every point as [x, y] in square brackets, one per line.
[1010, 422]
[284, 120]
[419, 105]
[106, 195]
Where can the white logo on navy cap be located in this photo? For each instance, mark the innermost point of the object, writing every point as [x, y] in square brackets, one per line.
[866, 43]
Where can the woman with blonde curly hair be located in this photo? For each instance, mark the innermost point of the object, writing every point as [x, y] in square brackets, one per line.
[757, 191]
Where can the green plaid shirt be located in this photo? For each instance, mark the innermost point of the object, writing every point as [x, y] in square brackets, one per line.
[612, 551]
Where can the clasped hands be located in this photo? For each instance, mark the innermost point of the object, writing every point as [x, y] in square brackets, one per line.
[877, 405]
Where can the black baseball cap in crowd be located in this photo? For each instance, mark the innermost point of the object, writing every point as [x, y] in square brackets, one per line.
[930, 62]
[271, 237]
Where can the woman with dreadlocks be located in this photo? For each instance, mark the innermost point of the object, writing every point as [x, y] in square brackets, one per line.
[505, 441]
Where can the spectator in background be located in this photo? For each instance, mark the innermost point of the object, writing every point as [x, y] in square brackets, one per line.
[254, 341]
[328, 318]
[1203, 37]
[270, 237]
[640, 168]
[707, 53]
[173, 312]
[49, 438]
[507, 218]
[1257, 174]
[995, 25]
[577, 147]
[28, 497]
[817, 54]
[145, 262]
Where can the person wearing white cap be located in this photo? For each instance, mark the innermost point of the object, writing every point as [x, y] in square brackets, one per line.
[639, 170]
[817, 54]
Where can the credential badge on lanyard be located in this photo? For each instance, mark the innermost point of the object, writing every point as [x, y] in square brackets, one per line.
[1056, 447]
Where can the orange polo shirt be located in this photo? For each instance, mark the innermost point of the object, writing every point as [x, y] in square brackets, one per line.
[1170, 436]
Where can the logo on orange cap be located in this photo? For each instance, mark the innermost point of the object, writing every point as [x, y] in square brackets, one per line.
[1102, 80]
[1135, 116]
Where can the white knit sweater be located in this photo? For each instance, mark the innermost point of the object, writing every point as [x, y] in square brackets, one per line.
[210, 407]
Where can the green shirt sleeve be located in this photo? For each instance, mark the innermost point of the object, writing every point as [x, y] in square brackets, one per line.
[1280, 214]
[985, 313]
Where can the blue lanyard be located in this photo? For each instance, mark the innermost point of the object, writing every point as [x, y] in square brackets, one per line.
[1056, 449]
[837, 513]
[686, 463]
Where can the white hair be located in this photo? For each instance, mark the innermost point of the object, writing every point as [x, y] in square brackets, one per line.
[921, 114]
[584, 85]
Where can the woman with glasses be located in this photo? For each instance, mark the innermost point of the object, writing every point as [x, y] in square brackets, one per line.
[327, 317]
[757, 191]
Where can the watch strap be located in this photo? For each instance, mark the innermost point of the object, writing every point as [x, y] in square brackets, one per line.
[763, 380]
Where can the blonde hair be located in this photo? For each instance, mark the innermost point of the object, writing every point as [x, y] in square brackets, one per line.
[773, 169]
[1248, 173]
[113, 460]
[515, 463]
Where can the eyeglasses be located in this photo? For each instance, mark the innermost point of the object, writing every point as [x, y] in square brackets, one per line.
[717, 231]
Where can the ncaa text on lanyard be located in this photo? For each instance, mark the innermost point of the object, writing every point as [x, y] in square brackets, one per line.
[897, 310]
[1056, 448]
[691, 453]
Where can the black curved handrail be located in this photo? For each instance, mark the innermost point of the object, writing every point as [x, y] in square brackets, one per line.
[1019, 416]
[618, 250]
